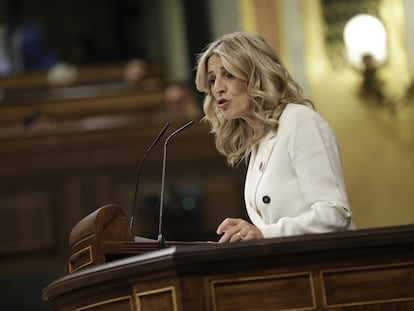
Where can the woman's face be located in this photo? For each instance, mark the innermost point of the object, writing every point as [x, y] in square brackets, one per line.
[229, 92]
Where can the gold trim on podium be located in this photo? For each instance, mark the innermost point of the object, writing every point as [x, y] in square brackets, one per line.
[385, 276]
[75, 256]
[154, 292]
[105, 302]
[251, 281]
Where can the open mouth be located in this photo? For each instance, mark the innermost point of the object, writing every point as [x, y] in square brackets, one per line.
[222, 103]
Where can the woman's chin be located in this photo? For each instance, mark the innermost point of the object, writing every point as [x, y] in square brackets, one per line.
[227, 116]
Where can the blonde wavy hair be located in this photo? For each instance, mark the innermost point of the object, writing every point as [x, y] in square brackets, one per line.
[250, 58]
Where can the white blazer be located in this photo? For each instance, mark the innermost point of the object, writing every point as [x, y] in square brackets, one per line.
[294, 183]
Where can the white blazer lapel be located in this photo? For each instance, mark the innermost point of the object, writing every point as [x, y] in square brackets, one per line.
[257, 166]
[264, 153]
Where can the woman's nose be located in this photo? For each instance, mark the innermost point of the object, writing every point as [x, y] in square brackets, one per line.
[219, 87]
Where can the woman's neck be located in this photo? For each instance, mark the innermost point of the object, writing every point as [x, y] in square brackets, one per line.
[257, 127]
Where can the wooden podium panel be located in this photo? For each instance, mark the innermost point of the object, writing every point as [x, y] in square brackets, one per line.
[370, 269]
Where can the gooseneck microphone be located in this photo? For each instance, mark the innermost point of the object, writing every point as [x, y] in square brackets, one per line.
[131, 221]
[160, 240]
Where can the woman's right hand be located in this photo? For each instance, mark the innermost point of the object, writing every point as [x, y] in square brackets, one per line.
[237, 229]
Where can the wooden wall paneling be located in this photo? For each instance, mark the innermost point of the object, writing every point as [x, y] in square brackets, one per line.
[27, 220]
[59, 106]
[81, 170]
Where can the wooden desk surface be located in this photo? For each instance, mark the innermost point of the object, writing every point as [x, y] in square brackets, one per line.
[370, 269]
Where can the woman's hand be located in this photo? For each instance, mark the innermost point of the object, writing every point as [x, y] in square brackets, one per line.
[236, 229]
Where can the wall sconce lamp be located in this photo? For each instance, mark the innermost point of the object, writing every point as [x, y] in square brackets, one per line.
[366, 44]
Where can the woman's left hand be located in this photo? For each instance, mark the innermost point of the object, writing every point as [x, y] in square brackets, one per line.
[236, 229]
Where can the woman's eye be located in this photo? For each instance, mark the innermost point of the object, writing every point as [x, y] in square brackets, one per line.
[229, 75]
[211, 81]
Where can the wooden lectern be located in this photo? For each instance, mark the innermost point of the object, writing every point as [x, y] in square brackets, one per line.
[100, 237]
[370, 269]
[103, 236]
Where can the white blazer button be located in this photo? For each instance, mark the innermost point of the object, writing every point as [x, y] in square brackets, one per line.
[266, 199]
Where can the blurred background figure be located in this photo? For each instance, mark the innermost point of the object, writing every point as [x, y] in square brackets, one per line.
[23, 48]
[181, 100]
[38, 120]
[5, 63]
[62, 74]
[136, 75]
[29, 48]
[135, 71]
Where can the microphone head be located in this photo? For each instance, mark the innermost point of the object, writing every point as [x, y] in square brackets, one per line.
[177, 131]
[161, 241]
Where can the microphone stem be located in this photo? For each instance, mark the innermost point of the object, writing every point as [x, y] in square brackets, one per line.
[161, 242]
[131, 221]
